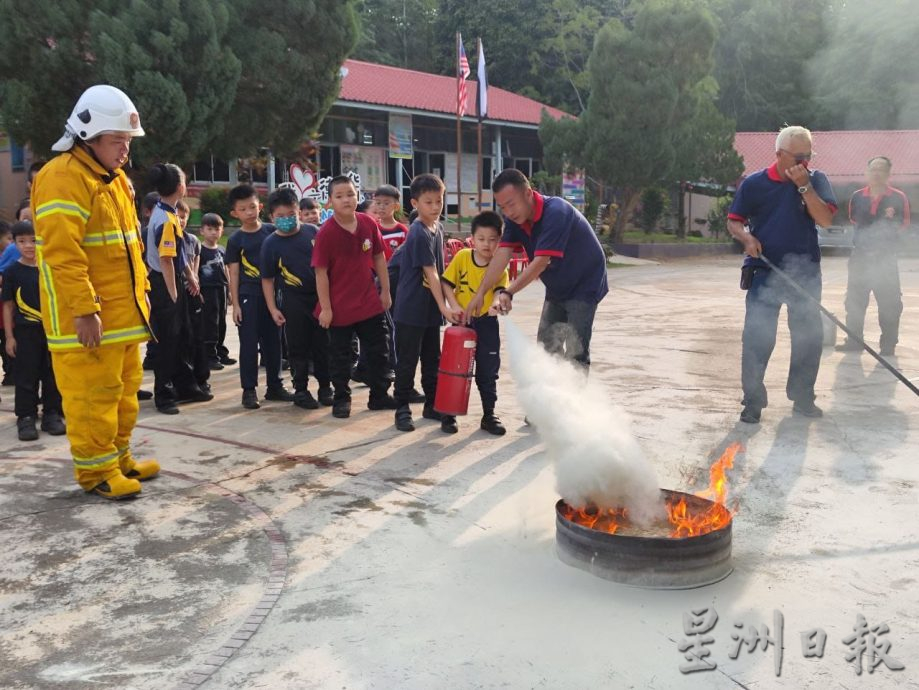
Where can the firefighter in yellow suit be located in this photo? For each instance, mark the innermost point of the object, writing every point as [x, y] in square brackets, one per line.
[93, 289]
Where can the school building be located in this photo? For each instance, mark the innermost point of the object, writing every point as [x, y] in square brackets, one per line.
[390, 124]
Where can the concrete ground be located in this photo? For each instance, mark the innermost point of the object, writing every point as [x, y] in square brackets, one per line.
[286, 549]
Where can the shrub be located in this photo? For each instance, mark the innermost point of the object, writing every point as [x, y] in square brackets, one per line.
[214, 200]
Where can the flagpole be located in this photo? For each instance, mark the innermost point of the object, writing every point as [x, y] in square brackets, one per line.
[478, 107]
[459, 142]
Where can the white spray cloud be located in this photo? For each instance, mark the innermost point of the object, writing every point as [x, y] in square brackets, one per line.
[597, 459]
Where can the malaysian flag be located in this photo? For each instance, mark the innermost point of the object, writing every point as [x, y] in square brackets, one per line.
[462, 74]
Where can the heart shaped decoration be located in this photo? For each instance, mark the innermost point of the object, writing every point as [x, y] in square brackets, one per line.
[302, 179]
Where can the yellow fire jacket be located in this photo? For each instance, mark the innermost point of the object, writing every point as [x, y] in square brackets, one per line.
[89, 252]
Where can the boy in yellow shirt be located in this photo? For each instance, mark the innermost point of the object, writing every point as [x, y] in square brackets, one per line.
[463, 277]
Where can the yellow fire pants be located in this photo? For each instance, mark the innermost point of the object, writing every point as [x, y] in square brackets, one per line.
[99, 391]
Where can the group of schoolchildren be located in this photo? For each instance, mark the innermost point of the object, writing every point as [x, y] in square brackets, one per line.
[361, 297]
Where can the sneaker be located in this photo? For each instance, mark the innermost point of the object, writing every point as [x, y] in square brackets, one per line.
[448, 424]
[848, 346]
[227, 361]
[52, 423]
[305, 400]
[384, 402]
[26, 428]
[144, 395]
[492, 424]
[428, 412]
[404, 419]
[416, 397]
[167, 408]
[214, 365]
[750, 414]
[341, 409]
[807, 409]
[279, 394]
[195, 395]
[117, 487]
[250, 399]
[326, 396]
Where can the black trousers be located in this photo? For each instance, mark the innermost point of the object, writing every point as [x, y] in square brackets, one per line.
[487, 360]
[214, 320]
[197, 353]
[371, 334]
[33, 369]
[258, 332]
[7, 360]
[414, 344]
[306, 340]
[173, 373]
[877, 272]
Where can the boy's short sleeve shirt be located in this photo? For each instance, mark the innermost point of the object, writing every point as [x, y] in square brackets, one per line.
[415, 305]
[245, 249]
[393, 238]
[577, 262]
[20, 286]
[348, 260]
[464, 275]
[288, 260]
[777, 214]
[211, 271]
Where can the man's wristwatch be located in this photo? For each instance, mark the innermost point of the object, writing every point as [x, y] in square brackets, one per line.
[804, 189]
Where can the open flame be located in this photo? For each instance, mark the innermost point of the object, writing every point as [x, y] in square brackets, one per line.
[684, 521]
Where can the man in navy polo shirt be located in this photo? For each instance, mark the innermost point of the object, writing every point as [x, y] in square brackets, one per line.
[879, 212]
[782, 205]
[563, 252]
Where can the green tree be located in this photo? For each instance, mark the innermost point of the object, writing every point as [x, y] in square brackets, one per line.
[206, 75]
[761, 60]
[866, 73]
[398, 32]
[651, 95]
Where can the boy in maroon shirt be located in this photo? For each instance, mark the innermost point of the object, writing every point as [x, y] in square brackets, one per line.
[348, 251]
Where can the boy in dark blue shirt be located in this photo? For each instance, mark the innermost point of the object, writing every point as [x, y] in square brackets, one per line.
[420, 306]
[286, 258]
[26, 342]
[257, 330]
[214, 281]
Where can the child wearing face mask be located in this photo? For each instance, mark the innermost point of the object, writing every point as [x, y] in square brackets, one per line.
[285, 266]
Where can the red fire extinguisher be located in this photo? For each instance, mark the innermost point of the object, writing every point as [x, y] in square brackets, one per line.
[454, 378]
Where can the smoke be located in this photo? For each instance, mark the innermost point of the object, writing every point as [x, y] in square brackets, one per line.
[597, 460]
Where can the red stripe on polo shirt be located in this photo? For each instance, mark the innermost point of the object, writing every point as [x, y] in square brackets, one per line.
[538, 203]
[512, 245]
[773, 173]
[549, 252]
[737, 217]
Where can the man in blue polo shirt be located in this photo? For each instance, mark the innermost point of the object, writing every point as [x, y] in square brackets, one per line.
[782, 205]
[563, 251]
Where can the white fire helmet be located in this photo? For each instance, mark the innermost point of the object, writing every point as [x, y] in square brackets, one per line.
[101, 109]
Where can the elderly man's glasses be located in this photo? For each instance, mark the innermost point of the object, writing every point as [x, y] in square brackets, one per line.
[799, 157]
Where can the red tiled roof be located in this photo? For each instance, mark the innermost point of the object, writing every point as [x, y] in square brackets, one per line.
[366, 82]
[843, 156]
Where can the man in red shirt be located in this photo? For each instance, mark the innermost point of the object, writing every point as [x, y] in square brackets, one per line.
[348, 251]
[879, 213]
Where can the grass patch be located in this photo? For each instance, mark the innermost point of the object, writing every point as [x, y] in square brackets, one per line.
[640, 237]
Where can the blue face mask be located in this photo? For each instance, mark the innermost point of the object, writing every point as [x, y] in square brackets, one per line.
[286, 224]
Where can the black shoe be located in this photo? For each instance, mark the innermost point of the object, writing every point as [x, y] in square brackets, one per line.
[848, 346]
[492, 424]
[889, 351]
[750, 414]
[416, 397]
[808, 409]
[279, 394]
[357, 375]
[52, 423]
[206, 387]
[195, 395]
[326, 396]
[214, 365]
[250, 399]
[341, 409]
[385, 402]
[448, 424]
[305, 400]
[144, 395]
[227, 361]
[167, 408]
[26, 428]
[428, 412]
[404, 419]
[390, 375]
